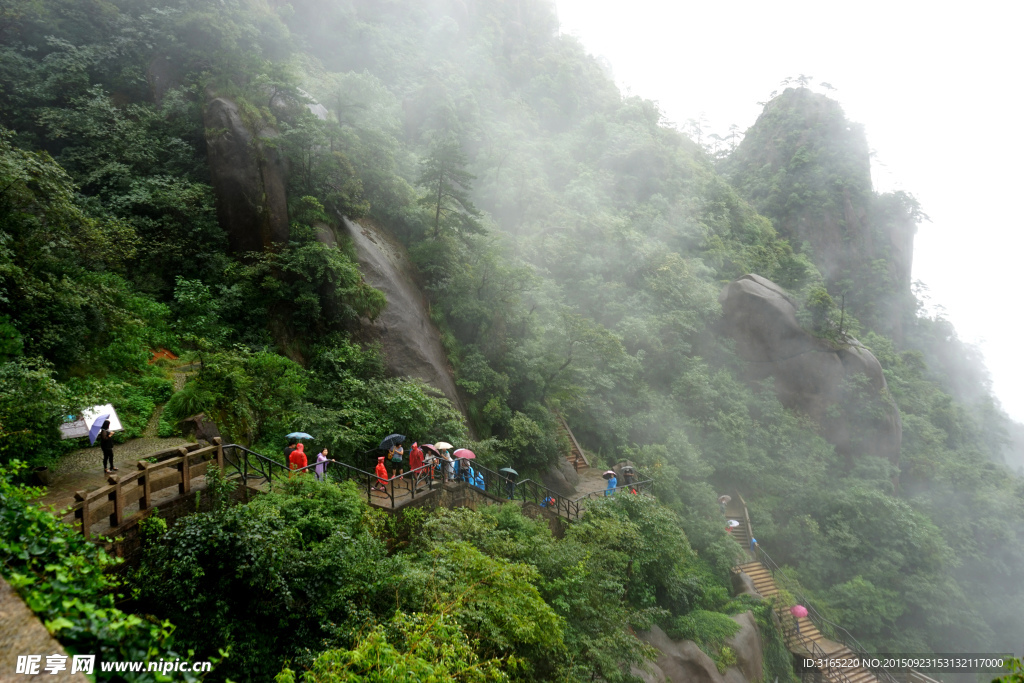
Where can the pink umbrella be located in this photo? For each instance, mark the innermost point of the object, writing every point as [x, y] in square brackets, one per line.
[798, 611]
[464, 453]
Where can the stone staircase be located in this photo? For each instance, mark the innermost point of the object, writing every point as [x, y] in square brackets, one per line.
[576, 456]
[802, 636]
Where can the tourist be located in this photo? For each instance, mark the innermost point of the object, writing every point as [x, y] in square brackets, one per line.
[382, 475]
[297, 459]
[396, 454]
[480, 480]
[612, 483]
[321, 464]
[415, 457]
[106, 440]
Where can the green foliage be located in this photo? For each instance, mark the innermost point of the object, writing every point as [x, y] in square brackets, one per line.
[423, 647]
[32, 406]
[152, 527]
[249, 394]
[448, 185]
[708, 629]
[1016, 674]
[352, 405]
[62, 578]
[288, 572]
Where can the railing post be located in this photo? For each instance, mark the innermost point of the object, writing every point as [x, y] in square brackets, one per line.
[117, 516]
[144, 482]
[83, 498]
[218, 442]
[186, 480]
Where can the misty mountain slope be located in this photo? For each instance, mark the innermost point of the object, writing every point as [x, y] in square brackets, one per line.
[592, 287]
[627, 232]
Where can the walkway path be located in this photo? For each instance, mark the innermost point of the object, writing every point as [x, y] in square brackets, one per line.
[801, 635]
[82, 470]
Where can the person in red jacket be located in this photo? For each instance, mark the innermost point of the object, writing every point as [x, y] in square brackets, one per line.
[415, 457]
[297, 459]
[382, 475]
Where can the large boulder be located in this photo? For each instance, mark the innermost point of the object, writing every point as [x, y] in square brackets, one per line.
[681, 661]
[249, 179]
[841, 386]
[561, 478]
[412, 344]
[746, 643]
[742, 584]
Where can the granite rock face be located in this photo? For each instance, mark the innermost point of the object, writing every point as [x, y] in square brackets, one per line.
[249, 179]
[681, 661]
[411, 341]
[842, 387]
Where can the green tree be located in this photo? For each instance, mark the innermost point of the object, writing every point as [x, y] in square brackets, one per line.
[443, 173]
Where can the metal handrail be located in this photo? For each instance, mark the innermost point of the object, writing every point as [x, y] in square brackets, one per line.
[815, 616]
[252, 465]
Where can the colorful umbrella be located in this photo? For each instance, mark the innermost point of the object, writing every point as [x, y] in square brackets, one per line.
[509, 470]
[429, 447]
[464, 453]
[97, 425]
[608, 474]
[798, 611]
[298, 435]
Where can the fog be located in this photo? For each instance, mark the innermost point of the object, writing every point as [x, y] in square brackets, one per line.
[932, 85]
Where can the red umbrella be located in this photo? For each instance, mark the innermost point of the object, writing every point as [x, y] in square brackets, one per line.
[798, 611]
[429, 447]
[464, 453]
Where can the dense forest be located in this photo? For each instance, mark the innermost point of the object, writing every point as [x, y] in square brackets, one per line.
[572, 247]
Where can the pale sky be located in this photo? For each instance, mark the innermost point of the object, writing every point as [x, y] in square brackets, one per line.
[936, 85]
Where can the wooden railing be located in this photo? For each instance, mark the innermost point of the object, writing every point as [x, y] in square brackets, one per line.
[114, 500]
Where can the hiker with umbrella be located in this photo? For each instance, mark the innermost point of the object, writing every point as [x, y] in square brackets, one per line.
[464, 468]
[431, 458]
[628, 476]
[510, 486]
[293, 439]
[393, 445]
[448, 466]
[798, 612]
[106, 439]
[612, 482]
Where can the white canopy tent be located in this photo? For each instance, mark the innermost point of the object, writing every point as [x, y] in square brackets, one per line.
[73, 429]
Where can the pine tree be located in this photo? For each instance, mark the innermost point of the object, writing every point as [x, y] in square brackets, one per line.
[448, 183]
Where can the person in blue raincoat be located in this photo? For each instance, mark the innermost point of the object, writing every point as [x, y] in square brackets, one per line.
[612, 483]
[480, 480]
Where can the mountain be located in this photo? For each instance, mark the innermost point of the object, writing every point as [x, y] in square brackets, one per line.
[180, 175]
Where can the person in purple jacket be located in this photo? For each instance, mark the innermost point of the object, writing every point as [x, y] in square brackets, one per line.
[321, 464]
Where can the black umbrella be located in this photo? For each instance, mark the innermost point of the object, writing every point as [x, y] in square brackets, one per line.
[389, 441]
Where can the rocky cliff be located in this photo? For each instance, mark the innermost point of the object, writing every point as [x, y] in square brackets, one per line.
[682, 661]
[841, 386]
[807, 168]
[249, 179]
[412, 344]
